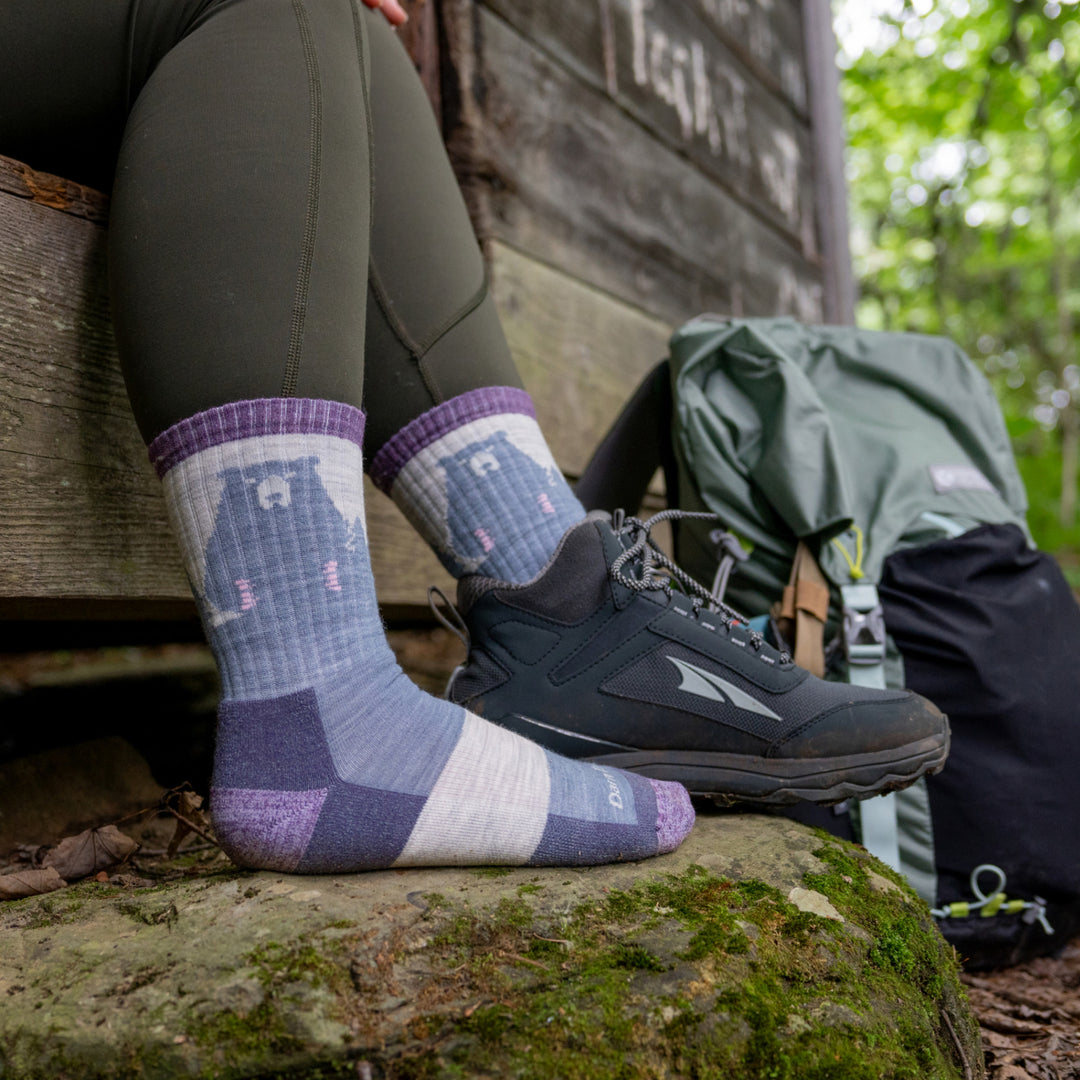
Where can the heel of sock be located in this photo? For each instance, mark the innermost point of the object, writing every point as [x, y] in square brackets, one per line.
[272, 774]
[265, 830]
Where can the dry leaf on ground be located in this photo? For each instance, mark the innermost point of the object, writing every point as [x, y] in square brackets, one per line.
[186, 807]
[30, 883]
[1029, 1016]
[93, 850]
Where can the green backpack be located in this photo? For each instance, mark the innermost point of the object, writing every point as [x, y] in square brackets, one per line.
[791, 432]
[880, 525]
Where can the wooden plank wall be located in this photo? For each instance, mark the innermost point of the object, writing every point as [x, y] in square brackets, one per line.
[658, 152]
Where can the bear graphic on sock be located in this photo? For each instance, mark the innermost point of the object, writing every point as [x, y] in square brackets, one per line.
[495, 473]
[241, 580]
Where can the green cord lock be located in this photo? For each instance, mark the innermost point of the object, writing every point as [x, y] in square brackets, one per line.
[995, 903]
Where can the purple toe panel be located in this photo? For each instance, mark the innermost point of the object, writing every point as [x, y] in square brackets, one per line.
[674, 815]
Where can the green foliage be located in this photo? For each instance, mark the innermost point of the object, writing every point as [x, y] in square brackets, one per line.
[963, 122]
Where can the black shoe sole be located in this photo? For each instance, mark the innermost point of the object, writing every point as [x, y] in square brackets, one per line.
[739, 778]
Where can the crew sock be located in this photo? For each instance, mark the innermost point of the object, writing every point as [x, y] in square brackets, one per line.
[328, 758]
[477, 480]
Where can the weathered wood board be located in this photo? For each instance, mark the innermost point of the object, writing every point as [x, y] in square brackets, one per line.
[574, 145]
[581, 352]
[669, 67]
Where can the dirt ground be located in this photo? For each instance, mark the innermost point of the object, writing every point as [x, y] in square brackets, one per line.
[1029, 1014]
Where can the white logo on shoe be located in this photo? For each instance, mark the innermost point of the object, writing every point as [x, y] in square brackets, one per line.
[707, 685]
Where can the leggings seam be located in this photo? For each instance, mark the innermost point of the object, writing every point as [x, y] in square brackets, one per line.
[418, 350]
[383, 298]
[358, 37]
[462, 312]
[133, 18]
[311, 217]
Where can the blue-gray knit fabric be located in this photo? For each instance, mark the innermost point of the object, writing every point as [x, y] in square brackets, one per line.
[477, 479]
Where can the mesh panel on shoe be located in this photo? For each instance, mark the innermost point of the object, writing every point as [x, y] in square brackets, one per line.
[480, 676]
[471, 588]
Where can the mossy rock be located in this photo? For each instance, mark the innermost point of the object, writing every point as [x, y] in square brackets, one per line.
[760, 949]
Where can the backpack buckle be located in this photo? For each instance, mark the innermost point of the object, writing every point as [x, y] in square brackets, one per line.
[864, 625]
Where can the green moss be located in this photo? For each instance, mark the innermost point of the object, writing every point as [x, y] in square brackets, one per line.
[906, 942]
[255, 1035]
[742, 984]
[635, 958]
[243, 1040]
[55, 908]
[492, 871]
[148, 910]
[276, 965]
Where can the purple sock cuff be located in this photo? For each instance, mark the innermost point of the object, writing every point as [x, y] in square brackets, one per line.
[439, 421]
[261, 416]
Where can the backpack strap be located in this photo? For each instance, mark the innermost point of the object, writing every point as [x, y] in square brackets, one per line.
[864, 645]
[635, 446]
[802, 611]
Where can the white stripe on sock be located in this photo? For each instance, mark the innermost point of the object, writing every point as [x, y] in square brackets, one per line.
[489, 805]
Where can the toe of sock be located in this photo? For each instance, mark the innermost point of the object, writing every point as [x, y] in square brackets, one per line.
[674, 815]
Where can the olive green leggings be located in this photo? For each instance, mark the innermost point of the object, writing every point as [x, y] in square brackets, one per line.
[282, 207]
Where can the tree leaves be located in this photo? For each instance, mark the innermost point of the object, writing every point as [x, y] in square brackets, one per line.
[964, 174]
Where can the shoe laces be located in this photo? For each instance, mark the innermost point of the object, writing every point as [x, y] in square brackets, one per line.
[655, 571]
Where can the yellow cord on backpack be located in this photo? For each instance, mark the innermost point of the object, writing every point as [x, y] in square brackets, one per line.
[854, 566]
[995, 902]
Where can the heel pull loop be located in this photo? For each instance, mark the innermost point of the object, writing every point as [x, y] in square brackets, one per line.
[453, 622]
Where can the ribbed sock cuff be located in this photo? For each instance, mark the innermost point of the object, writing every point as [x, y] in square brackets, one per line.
[250, 419]
[439, 421]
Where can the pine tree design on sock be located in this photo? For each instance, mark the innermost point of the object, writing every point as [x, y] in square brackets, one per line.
[477, 479]
[328, 758]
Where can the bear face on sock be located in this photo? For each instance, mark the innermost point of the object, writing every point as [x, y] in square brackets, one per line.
[243, 578]
[493, 472]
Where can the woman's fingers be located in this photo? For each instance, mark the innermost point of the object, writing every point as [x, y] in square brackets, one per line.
[392, 9]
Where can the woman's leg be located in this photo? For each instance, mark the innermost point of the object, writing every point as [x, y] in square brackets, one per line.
[240, 223]
[239, 258]
[451, 435]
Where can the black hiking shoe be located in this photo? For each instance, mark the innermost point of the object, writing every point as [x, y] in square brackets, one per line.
[600, 658]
